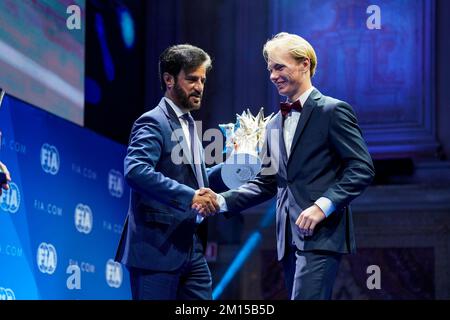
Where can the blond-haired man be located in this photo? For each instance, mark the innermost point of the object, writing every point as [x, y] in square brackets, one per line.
[323, 164]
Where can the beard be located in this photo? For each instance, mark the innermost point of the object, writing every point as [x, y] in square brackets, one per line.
[183, 98]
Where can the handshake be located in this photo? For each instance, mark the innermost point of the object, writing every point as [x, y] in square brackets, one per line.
[205, 202]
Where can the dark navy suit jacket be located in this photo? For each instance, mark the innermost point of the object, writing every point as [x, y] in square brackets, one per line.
[328, 158]
[160, 224]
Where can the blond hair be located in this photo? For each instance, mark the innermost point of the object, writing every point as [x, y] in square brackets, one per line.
[298, 47]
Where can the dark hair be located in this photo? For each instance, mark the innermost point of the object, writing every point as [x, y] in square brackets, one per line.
[181, 57]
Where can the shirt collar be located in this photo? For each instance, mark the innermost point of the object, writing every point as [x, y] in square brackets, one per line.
[305, 96]
[175, 108]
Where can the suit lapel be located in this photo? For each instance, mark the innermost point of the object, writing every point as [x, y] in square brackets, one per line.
[177, 130]
[282, 145]
[202, 158]
[203, 166]
[309, 106]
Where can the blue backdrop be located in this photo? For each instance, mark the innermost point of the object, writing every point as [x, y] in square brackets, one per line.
[61, 220]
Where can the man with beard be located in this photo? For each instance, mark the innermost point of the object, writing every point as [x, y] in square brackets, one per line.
[164, 238]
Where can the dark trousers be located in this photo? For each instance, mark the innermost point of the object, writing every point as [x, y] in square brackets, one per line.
[191, 282]
[309, 275]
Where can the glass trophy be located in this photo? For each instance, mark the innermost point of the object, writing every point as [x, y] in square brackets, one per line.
[244, 141]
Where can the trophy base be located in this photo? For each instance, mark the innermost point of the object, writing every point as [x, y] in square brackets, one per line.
[240, 168]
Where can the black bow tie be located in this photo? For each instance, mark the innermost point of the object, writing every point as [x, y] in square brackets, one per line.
[286, 107]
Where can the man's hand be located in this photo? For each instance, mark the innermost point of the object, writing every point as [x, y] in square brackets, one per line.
[309, 218]
[205, 202]
[8, 177]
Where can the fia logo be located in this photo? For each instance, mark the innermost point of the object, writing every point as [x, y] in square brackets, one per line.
[83, 218]
[49, 159]
[115, 183]
[10, 199]
[7, 294]
[113, 274]
[46, 258]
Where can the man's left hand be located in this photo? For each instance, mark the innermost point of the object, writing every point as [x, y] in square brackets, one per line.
[309, 219]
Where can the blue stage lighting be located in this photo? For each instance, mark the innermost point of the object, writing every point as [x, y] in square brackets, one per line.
[93, 92]
[107, 59]
[245, 252]
[237, 263]
[127, 27]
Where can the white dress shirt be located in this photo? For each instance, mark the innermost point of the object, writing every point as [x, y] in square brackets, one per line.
[291, 121]
[183, 122]
[185, 127]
